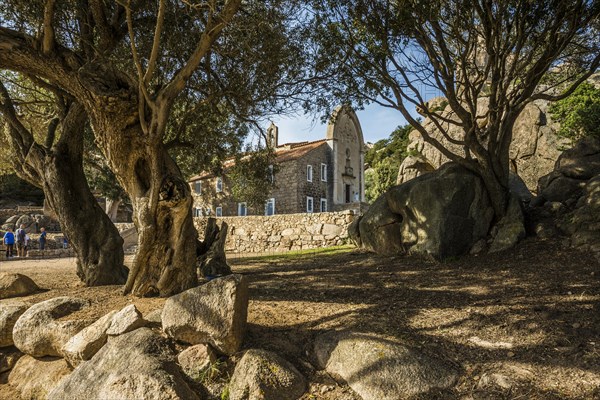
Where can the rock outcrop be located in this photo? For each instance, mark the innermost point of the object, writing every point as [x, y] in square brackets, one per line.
[443, 213]
[572, 191]
[9, 314]
[39, 331]
[16, 285]
[214, 313]
[571, 172]
[533, 151]
[139, 364]
[263, 375]
[381, 368]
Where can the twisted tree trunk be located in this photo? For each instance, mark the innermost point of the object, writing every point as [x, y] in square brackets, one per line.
[59, 172]
[165, 262]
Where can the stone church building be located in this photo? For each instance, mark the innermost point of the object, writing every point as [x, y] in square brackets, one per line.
[323, 175]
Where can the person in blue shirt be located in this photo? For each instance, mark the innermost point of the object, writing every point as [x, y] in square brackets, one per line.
[43, 239]
[9, 242]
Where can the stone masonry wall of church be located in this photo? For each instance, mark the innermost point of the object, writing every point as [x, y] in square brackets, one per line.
[283, 232]
[286, 188]
[317, 189]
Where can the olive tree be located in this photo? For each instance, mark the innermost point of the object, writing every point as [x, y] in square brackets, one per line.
[44, 131]
[127, 63]
[488, 58]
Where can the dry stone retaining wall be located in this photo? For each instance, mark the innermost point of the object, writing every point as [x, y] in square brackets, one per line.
[283, 232]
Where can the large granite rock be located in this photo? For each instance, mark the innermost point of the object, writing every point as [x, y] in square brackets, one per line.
[137, 365]
[9, 314]
[263, 375]
[83, 345]
[574, 186]
[511, 228]
[533, 151]
[379, 229]
[382, 368]
[413, 166]
[34, 378]
[214, 313]
[583, 223]
[126, 320]
[572, 171]
[16, 285]
[442, 213]
[40, 332]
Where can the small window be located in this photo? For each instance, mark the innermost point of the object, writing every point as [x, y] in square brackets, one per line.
[271, 174]
[198, 187]
[270, 207]
[323, 205]
[309, 204]
[323, 172]
[197, 212]
[309, 173]
[242, 210]
[219, 185]
[219, 211]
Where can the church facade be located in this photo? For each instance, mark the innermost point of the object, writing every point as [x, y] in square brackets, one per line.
[319, 176]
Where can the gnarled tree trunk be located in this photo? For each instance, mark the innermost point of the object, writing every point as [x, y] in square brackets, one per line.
[59, 171]
[165, 262]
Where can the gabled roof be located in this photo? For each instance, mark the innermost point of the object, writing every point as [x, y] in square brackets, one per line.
[283, 153]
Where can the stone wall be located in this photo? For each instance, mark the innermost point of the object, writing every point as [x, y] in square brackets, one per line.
[283, 232]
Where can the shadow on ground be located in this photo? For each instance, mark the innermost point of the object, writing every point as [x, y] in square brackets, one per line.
[521, 323]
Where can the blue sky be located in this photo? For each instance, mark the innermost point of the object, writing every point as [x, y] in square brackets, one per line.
[377, 123]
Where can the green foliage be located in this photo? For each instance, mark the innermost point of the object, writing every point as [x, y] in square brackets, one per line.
[578, 114]
[252, 177]
[383, 161]
[208, 374]
[225, 393]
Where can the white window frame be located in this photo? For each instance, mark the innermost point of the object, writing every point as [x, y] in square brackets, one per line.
[198, 187]
[219, 184]
[323, 172]
[309, 173]
[218, 211]
[240, 209]
[323, 201]
[271, 200]
[197, 212]
[310, 201]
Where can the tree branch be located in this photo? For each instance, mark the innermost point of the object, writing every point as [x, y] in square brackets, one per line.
[48, 39]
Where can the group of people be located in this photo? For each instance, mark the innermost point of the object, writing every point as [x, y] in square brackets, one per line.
[21, 239]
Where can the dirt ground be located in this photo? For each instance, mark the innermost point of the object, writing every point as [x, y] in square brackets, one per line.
[520, 324]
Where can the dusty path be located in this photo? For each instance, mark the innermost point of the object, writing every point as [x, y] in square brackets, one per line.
[521, 324]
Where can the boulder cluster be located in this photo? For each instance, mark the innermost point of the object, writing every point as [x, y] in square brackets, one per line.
[569, 197]
[32, 222]
[440, 209]
[48, 351]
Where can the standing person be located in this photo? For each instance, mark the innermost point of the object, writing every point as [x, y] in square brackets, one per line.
[43, 239]
[65, 242]
[21, 241]
[26, 247]
[9, 242]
